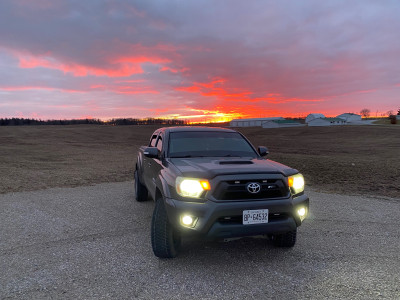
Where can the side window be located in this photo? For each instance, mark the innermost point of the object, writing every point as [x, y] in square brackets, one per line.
[159, 143]
[153, 140]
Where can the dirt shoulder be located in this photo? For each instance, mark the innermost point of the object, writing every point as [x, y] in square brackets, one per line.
[344, 159]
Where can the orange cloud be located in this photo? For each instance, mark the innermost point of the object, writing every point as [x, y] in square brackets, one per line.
[229, 102]
[173, 70]
[190, 89]
[220, 89]
[29, 88]
[212, 88]
[281, 100]
[118, 67]
[133, 90]
[125, 89]
[20, 88]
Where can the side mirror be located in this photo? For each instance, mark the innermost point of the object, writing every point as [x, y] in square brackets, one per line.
[263, 151]
[151, 152]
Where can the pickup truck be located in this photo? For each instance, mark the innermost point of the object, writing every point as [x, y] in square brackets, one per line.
[212, 183]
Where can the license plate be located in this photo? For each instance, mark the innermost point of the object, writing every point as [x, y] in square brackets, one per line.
[258, 216]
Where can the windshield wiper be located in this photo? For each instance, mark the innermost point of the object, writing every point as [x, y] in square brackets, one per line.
[193, 156]
[187, 156]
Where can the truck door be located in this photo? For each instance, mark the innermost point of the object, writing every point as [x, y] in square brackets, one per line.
[156, 166]
[147, 162]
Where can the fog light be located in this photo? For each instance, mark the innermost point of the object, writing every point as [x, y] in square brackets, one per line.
[302, 213]
[188, 220]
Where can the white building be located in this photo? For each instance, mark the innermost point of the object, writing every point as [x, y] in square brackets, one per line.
[350, 118]
[311, 117]
[251, 122]
[280, 124]
[326, 122]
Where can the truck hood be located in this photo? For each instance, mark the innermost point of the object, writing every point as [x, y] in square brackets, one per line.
[207, 167]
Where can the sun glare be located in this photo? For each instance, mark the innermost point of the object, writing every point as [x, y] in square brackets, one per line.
[205, 116]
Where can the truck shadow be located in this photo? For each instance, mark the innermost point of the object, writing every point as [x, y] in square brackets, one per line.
[232, 249]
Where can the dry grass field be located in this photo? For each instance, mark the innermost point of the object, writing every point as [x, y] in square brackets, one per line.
[346, 159]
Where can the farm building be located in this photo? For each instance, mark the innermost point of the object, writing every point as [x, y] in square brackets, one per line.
[349, 117]
[251, 122]
[326, 122]
[280, 123]
[311, 117]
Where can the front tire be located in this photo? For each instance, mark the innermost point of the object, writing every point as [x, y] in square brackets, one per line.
[165, 240]
[287, 239]
[141, 193]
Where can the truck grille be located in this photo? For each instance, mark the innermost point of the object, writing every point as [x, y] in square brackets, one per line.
[237, 189]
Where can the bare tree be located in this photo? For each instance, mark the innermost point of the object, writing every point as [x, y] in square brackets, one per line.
[389, 113]
[365, 112]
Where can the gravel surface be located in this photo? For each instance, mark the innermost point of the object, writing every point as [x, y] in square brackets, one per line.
[94, 243]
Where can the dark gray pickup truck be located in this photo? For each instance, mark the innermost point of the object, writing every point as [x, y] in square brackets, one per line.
[211, 183]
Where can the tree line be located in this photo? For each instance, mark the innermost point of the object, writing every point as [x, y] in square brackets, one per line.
[366, 113]
[118, 121]
[147, 121]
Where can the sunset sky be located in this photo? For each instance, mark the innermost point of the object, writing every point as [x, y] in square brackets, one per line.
[200, 60]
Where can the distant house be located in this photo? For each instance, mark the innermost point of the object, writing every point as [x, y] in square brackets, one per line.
[350, 117]
[280, 123]
[326, 122]
[311, 117]
[251, 122]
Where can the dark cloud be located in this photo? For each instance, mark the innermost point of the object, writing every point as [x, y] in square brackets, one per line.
[187, 56]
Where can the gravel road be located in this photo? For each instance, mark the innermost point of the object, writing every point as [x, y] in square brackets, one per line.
[94, 243]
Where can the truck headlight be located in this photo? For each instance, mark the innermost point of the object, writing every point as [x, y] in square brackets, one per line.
[191, 187]
[296, 183]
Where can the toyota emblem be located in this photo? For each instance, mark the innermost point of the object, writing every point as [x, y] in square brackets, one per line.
[253, 187]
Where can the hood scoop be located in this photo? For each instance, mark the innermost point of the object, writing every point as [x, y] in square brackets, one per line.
[235, 162]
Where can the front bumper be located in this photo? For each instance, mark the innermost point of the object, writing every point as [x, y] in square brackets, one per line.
[218, 220]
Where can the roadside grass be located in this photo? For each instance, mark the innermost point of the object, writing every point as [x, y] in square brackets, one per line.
[385, 121]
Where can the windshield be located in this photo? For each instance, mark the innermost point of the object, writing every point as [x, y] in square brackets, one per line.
[209, 144]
